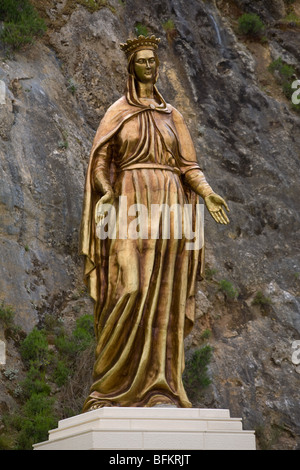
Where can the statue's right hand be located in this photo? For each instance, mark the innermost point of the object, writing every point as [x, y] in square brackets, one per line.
[101, 208]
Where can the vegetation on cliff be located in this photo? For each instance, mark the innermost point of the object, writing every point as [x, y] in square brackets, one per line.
[21, 23]
[51, 357]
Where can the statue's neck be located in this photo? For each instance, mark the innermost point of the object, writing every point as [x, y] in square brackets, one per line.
[145, 90]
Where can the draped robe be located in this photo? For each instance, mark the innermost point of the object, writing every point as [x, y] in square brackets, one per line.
[143, 288]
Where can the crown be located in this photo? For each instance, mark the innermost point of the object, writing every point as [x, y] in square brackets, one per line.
[137, 44]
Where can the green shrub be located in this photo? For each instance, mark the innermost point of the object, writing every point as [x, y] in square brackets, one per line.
[30, 423]
[195, 376]
[228, 289]
[65, 346]
[84, 334]
[285, 75]
[12, 331]
[34, 348]
[82, 337]
[292, 18]
[36, 415]
[140, 29]
[38, 418]
[53, 325]
[61, 373]
[34, 383]
[38, 403]
[170, 29]
[21, 23]
[206, 334]
[285, 71]
[34, 431]
[250, 24]
[169, 25]
[6, 315]
[6, 441]
[262, 301]
[209, 273]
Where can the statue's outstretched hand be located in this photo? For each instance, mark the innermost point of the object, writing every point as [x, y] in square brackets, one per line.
[215, 204]
[102, 206]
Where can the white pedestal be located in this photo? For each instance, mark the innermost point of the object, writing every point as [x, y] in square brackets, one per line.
[150, 428]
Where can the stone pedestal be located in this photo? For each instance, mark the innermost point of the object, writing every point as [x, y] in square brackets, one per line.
[150, 428]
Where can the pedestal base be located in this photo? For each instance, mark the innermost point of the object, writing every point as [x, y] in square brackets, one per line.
[150, 428]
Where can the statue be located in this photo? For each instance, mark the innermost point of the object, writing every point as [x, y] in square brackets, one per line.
[143, 286]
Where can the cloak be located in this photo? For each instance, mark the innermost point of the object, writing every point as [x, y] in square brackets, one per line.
[143, 307]
[121, 111]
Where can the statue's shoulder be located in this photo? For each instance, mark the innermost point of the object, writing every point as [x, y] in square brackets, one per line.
[121, 103]
[113, 117]
[175, 113]
[116, 112]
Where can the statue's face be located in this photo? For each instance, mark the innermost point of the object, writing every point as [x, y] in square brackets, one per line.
[145, 66]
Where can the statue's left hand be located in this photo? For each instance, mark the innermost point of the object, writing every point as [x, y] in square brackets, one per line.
[215, 204]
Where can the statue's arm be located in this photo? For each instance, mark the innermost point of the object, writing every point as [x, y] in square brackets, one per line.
[214, 203]
[101, 170]
[193, 176]
[196, 180]
[101, 179]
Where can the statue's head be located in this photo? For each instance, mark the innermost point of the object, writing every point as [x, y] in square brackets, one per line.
[142, 58]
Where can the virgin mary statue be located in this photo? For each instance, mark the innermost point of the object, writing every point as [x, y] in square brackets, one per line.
[142, 286]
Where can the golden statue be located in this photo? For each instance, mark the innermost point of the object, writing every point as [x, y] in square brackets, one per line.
[143, 286]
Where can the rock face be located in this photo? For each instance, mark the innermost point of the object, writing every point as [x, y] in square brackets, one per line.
[43, 158]
[52, 97]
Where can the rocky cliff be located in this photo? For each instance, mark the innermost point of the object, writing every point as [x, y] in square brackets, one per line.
[52, 97]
